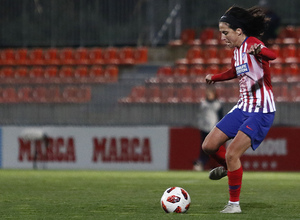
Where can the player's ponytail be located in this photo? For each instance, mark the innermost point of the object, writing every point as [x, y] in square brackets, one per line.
[252, 21]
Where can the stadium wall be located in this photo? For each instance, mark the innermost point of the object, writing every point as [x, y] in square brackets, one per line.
[132, 148]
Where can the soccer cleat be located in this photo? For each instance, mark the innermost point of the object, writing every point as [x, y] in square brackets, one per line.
[217, 173]
[231, 208]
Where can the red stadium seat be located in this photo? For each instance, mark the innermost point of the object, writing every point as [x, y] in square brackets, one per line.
[211, 55]
[110, 56]
[193, 56]
[66, 74]
[212, 69]
[111, 73]
[186, 94]
[52, 56]
[37, 75]
[25, 94]
[21, 74]
[169, 94]
[96, 56]
[140, 55]
[8, 57]
[22, 56]
[36, 56]
[81, 56]
[126, 56]
[51, 74]
[187, 37]
[7, 74]
[81, 73]
[290, 54]
[153, 94]
[199, 93]
[10, 95]
[138, 94]
[39, 94]
[66, 56]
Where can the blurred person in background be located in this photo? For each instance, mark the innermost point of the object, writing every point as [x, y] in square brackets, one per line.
[211, 111]
[250, 119]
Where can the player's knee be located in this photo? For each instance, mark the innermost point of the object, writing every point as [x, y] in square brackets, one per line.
[208, 147]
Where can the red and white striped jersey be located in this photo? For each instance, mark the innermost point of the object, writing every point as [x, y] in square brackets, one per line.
[253, 72]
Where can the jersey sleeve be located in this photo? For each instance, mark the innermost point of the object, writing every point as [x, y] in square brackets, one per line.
[227, 75]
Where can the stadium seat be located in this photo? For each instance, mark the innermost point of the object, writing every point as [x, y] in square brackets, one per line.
[164, 74]
[25, 94]
[295, 92]
[138, 94]
[66, 56]
[208, 36]
[197, 74]
[278, 51]
[7, 74]
[22, 56]
[54, 94]
[81, 56]
[96, 56]
[111, 73]
[281, 93]
[187, 37]
[292, 72]
[289, 53]
[186, 94]
[8, 57]
[225, 55]
[211, 55]
[52, 56]
[181, 74]
[169, 94]
[37, 75]
[21, 74]
[153, 94]
[36, 56]
[81, 73]
[84, 94]
[199, 93]
[212, 69]
[110, 56]
[39, 94]
[288, 35]
[51, 74]
[140, 55]
[66, 74]
[126, 56]
[10, 95]
[194, 56]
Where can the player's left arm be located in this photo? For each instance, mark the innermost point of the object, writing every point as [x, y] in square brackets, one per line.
[261, 50]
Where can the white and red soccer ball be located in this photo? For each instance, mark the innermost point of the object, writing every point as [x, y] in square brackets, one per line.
[175, 199]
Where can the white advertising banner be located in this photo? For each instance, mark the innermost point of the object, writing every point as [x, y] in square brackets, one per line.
[103, 148]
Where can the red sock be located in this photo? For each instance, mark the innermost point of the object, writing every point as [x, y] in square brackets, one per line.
[235, 184]
[219, 156]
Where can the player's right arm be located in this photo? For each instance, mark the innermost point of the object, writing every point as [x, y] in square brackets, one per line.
[227, 75]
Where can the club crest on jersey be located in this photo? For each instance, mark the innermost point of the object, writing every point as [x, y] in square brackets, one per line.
[241, 69]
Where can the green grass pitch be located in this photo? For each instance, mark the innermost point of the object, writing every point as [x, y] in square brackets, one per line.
[48, 194]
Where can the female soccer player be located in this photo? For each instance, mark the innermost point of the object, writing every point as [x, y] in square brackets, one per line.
[249, 121]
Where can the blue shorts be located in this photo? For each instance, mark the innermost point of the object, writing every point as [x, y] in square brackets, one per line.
[256, 125]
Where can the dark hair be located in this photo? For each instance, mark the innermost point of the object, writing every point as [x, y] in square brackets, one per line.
[252, 21]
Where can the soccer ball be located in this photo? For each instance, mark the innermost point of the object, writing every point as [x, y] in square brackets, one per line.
[175, 199]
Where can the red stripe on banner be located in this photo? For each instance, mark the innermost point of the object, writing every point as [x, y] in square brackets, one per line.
[184, 148]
